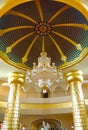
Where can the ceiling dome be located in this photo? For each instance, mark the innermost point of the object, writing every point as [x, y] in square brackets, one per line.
[43, 26]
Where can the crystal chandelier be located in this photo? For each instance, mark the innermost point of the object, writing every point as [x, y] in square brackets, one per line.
[44, 73]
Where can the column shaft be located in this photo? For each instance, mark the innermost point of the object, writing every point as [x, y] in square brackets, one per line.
[79, 108]
[12, 115]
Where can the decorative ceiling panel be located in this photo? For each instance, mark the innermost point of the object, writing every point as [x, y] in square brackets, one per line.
[37, 26]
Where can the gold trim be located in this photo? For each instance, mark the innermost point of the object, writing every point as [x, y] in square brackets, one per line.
[9, 49]
[83, 26]
[78, 46]
[63, 57]
[59, 12]
[40, 105]
[9, 4]
[83, 54]
[5, 58]
[3, 104]
[65, 65]
[46, 105]
[37, 2]
[22, 66]
[21, 15]
[24, 58]
[13, 28]
[79, 5]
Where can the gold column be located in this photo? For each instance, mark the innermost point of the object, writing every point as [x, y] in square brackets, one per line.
[74, 80]
[11, 119]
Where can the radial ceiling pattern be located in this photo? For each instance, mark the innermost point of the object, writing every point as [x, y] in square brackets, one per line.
[43, 25]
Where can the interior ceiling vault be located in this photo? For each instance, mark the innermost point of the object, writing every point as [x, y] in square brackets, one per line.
[36, 26]
[59, 28]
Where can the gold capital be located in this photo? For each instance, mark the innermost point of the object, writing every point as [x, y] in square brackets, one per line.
[75, 75]
[16, 77]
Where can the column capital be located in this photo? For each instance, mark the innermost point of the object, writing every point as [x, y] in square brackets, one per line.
[75, 75]
[16, 77]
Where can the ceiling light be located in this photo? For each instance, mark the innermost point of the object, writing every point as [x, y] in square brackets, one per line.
[44, 73]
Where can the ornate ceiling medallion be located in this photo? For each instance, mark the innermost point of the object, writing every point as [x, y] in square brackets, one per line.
[43, 28]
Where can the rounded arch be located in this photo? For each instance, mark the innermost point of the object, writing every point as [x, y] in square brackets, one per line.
[80, 6]
[53, 123]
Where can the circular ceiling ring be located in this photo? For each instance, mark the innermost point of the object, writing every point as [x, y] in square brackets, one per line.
[80, 6]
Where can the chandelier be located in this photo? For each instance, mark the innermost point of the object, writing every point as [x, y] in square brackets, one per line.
[45, 73]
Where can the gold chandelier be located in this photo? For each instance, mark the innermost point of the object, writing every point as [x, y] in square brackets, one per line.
[44, 74]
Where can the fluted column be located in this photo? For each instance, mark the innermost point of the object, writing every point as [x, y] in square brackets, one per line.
[11, 119]
[74, 80]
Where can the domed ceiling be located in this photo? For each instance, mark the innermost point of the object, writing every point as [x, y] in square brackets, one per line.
[43, 26]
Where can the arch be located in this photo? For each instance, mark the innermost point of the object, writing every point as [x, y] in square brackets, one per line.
[54, 123]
